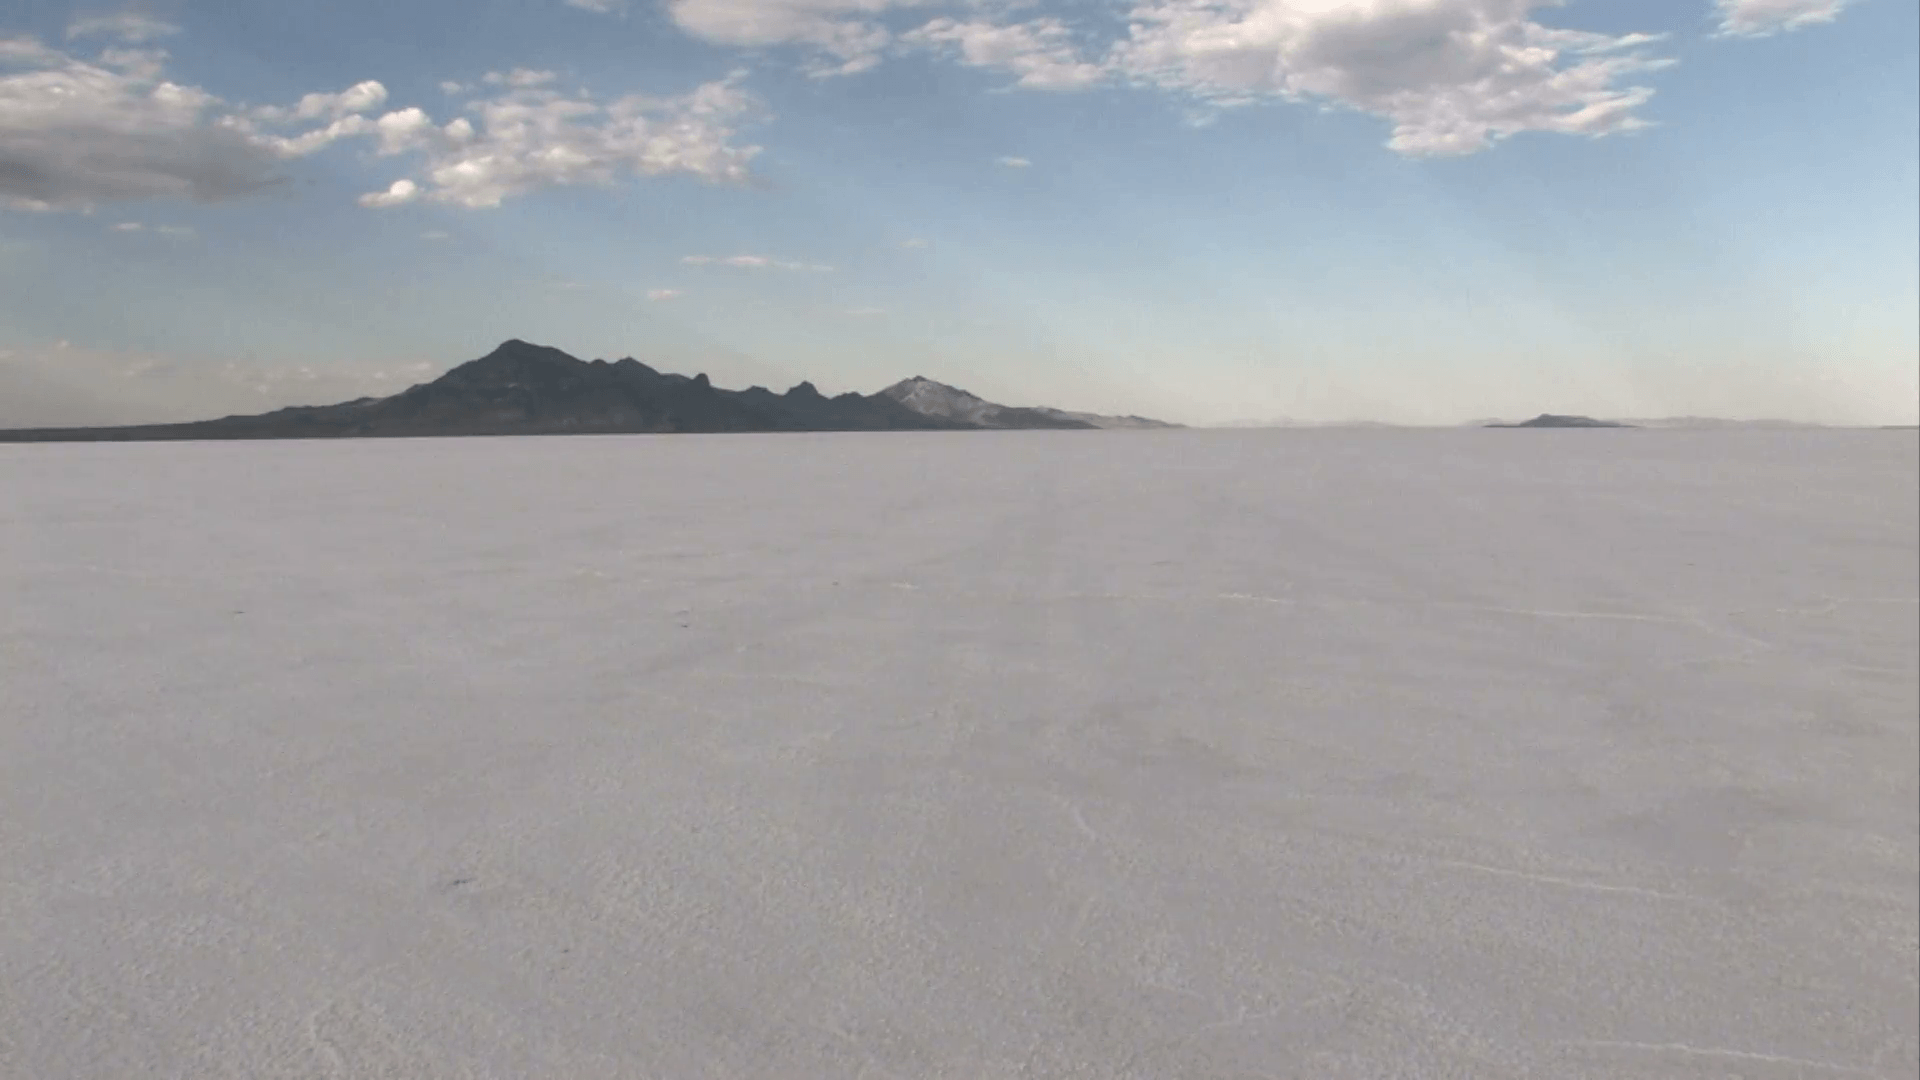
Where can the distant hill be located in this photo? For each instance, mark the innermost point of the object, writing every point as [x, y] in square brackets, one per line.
[943, 402]
[1110, 423]
[1551, 420]
[524, 389]
[1714, 423]
[1688, 423]
[937, 399]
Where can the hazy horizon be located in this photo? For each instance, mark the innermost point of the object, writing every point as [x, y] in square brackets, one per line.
[1409, 211]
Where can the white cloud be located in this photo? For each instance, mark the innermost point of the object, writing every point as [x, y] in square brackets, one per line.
[318, 139]
[530, 138]
[599, 7]
[145, 64]
[663, 294]
[450, 87]
[158, 230]
[125, 26]
[753, 262]
[399, 131]
[1014, 162]
[1041, 51]
[913, 243]
[359, 98]
[1758, 18]
[844, 31]
[400, 191]
[26, 52]
[519, 78]
[1452, 76]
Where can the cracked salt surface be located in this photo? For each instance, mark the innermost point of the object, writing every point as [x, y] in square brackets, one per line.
[1149, 754]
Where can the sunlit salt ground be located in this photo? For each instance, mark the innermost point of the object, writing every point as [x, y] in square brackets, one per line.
[1201, 755]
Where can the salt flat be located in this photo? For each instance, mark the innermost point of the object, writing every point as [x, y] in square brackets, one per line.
[1182, 754]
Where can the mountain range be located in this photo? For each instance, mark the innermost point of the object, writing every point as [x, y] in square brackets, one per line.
[525, 389]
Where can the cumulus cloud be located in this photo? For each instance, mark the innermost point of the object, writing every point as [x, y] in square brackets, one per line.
[754, 262]
[845, 33]
[599, 7]
[124, 26]
[1759, 18]
[1451, 76]
[77, 132]
[401, 191]
[358, 98]
[530, 137]
[1015, 162]
[1041, 52]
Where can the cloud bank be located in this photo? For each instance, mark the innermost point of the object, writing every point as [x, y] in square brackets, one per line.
[1449, 76]
[78, 132]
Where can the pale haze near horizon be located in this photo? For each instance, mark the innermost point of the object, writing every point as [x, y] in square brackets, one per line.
[1425, 212]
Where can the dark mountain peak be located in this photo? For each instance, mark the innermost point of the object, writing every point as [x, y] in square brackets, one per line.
[804, 390]
[702, 381]
[1555, 420]
[516, 350]
[514, 362]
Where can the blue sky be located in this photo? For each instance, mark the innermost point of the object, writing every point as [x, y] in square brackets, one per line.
[1422, 211]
